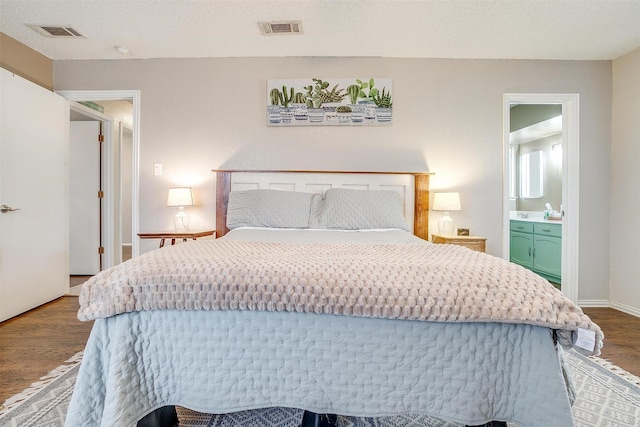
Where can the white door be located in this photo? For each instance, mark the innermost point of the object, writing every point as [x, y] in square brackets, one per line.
[34, 160]
[84, 184]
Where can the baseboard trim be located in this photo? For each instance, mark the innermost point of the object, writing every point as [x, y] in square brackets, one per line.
[594, 303]
[610, 304]
[626, 308]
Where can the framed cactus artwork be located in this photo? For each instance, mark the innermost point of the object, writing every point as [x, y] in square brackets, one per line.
[330, 102]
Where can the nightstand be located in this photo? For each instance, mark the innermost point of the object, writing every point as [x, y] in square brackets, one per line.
[173, 235]
[472, 242]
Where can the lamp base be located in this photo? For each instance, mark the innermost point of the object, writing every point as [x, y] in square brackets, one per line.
[445, 225]
[181, 220]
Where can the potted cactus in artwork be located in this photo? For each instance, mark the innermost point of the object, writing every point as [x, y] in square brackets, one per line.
[383, 103]
[357, 110]
[299, 105]
[273, 110]
[285, 99]
[367, 92]
[314, 101]
[344, 113]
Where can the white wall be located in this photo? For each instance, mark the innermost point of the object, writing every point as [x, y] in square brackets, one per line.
[625, 184]
[199, 114]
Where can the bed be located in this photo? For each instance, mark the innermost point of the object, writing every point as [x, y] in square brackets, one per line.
[342, 310]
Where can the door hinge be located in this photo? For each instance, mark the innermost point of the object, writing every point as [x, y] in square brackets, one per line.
[100, 138]
[101, 249]
[100, 194]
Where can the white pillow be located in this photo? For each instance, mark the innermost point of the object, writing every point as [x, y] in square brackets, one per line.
[348, 209]
[268, 208]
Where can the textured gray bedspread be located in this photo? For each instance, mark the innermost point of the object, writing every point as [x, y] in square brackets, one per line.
[428, 282]
[225, 361]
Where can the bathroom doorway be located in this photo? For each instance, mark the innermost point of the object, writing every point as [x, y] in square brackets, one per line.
[539, 111]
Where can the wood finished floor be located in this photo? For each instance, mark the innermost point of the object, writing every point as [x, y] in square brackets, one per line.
[38, 341]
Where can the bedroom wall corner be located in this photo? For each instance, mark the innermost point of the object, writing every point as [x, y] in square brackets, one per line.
[625, 184]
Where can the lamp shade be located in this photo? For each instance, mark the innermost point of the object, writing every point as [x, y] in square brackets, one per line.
[180, 196]
[446, 202]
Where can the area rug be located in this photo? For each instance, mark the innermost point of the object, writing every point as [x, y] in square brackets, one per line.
[606, 396]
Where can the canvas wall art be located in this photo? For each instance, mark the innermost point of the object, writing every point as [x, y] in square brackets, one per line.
[330, 102]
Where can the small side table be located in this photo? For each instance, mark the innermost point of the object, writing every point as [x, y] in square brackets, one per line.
[173, 235]
[472, 242]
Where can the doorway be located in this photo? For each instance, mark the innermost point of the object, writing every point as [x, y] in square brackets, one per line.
[569, 146]
[113, 175]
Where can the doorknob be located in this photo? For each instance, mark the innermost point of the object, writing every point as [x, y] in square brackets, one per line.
[5, 209]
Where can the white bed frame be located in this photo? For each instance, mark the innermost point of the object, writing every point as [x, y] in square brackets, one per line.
[413, 188]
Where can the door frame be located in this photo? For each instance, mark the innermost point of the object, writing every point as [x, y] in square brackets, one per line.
[121, 131]
[570, 180]
[111, 179]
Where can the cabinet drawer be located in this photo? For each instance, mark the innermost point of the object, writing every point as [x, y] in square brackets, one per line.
[554, 230]
[521, 226]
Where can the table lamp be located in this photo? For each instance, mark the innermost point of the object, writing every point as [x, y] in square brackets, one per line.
[446, 202]
[180, 197]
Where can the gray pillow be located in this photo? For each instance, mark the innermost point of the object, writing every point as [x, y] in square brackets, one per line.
[347, 209]
[268, 208]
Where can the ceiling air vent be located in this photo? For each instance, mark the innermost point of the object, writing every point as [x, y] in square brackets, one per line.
[57, 31]
[283, 27]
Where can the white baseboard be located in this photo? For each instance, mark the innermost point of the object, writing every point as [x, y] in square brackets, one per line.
[609, 304]
[594, 303]
[634, 311]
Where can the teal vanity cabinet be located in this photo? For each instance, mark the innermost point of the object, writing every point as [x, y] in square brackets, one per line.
[538, 247]
[521, 243]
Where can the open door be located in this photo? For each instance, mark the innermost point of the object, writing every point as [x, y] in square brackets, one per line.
[84, 193]
[34, 225]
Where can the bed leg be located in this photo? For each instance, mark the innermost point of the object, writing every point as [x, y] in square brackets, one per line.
[161, 417]
[311, 419]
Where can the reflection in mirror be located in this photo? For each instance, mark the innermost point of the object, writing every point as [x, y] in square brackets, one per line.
[531, 173]
[535, 129]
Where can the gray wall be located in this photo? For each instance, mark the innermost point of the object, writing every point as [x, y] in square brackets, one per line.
[625, 184]
[199, 114]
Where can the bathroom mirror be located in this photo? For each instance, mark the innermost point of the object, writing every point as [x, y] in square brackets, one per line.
[535, 179]
[531, 173]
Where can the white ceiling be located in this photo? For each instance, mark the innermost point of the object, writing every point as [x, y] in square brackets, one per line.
[499, 29]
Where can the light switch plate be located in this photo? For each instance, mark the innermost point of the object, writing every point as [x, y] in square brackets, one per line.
[157, 169]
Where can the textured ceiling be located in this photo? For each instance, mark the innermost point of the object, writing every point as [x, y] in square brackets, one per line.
[511, 29]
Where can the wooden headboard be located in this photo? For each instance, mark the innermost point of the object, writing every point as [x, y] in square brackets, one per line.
[413, 187]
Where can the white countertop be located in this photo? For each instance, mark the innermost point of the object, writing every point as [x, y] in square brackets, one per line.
[533, 218]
